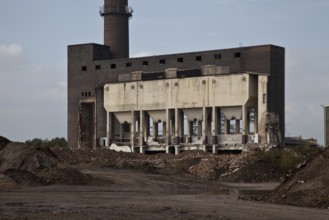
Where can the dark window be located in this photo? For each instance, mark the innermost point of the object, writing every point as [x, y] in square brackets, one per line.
[128, 64]
[145, 63]
[113, 66]
[82, 94]
[126, 127]
[237, 55]
[180, 60]
[162, 62]
[218, 56]
[89, 93]
[84, 68]
[198, 58]
[98, 67]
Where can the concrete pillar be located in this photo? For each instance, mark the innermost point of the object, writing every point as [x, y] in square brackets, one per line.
[109, 128]
[256, 121]
[133, 129]
[142, 128]
[214, 121]
[189, 131]
[204, 124]
[199, 128]
[214, 149]
[245, 120]
[167, 130]
[177, 150]
[227, 126]
[178, 124]
[326, 126]
[237, 126]
[164, 128]
[155, 131]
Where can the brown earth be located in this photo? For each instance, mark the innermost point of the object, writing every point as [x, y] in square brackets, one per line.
[308, 186]
[62, 183]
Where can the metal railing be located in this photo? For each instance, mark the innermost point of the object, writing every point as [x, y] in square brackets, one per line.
[116, 10]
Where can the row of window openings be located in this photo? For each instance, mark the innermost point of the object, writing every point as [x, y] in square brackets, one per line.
[231, 126]
[162, 61]
[85, 94]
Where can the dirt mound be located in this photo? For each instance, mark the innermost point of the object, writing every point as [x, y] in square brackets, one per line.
[243, 167]
[23, 177]
[3, 142]
[31, 166]
[308, 186]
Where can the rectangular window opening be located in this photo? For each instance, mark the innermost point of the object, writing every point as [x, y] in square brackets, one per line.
[198, 58]
[128, 64]
[84, 68]
[237, 55]
[180, 60]
[218, 56]
[162, 62]
[98, 67]
[113, 66]
[145, 63]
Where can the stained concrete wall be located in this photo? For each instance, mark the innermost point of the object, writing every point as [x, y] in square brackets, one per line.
[196, 92]
[100, 69]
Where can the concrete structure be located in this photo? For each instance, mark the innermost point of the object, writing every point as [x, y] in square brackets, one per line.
[210, 100]
[326, 125]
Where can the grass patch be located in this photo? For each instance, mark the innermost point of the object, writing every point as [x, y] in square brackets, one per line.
[284, 159]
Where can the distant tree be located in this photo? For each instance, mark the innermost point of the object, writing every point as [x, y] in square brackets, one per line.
[55, 142]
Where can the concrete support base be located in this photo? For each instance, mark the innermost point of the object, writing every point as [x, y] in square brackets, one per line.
[177, 150]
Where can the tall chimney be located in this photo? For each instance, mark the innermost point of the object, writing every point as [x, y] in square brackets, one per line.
[116, 15]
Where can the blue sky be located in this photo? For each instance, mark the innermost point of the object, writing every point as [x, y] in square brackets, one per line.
[34, 36]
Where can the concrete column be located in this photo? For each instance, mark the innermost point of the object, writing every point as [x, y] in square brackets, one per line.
[142, 128]
[214, 122]
[204, 124]
[167, 130]
[177, 150]
[133, 129]
[178, 123]
[164, 128]
[227, 126]
[237, 126]
[256, 121]
[189, 131]
[155, 131]
[245, 120]
[214, 129]
[109, 128]
[326, 126]
[214, 149]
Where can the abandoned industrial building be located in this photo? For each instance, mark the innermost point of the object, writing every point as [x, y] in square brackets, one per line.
[224, 99]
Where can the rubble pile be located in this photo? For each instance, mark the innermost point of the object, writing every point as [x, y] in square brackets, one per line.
[243, 167]
[307, 186]
[21, 164]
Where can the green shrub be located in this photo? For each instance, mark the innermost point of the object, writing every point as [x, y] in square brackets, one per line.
[55, 142]
[284, 159]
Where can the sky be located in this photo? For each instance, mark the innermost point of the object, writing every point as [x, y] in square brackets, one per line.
[34, 36]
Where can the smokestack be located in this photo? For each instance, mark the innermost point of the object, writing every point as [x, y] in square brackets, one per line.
[116, 15]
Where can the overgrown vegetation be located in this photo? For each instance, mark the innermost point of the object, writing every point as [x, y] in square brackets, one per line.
[55, 142]
[288, 158]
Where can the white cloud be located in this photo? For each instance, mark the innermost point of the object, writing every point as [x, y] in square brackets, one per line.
[30, 93]
[10, 49]
[306, 90]
[143, 54]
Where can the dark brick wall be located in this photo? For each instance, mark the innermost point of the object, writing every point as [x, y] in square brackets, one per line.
[90, 67]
